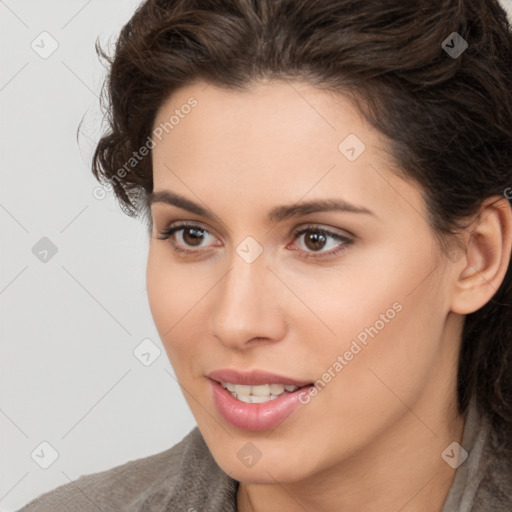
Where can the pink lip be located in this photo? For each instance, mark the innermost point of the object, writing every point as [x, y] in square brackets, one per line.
[254, 416]
[253, 378]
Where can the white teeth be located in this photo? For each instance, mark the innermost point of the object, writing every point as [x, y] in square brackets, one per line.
[245, 398]
[257, 394]
[276, 389]
[250, 399]
[261, 390]
[242, 389]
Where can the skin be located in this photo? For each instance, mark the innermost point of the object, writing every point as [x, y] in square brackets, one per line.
[372, 438]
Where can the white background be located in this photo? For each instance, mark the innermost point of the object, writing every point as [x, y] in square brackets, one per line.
[68, 375]
[69, 326]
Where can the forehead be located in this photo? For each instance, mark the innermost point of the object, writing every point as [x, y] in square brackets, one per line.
[277, 140]
[283, 113]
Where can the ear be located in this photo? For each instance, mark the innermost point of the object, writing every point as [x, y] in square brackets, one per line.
[481, 271]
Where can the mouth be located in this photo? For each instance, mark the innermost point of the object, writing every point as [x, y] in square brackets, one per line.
[259, 394]
[257, 400]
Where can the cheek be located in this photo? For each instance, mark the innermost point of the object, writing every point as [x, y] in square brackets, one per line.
[176, 299]
[366, 289]
[168, 295]
[171, 287]
[382, 315]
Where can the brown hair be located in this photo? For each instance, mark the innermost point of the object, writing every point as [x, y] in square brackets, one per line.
[448, 118]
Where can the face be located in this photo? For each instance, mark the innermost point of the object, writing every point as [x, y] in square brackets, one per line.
[352, 299]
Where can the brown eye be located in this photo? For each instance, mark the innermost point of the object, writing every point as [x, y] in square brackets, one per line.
[193, 236]
[315, 241]
[318, 242]
[186, 238]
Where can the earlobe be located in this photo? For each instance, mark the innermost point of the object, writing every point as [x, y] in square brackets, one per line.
[482, 269]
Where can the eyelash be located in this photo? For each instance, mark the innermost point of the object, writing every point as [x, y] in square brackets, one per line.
[167, 233]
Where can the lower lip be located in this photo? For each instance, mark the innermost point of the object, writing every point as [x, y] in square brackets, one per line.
[255, 416]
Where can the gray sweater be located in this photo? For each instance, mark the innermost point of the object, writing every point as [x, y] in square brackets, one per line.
[186, 478]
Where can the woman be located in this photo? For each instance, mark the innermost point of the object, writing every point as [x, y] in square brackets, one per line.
[326, 186]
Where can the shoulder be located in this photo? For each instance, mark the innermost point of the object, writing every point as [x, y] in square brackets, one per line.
[494, 491]
[121, 487]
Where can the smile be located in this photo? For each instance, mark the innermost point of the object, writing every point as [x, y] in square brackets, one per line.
[245, 409]
[257, 394]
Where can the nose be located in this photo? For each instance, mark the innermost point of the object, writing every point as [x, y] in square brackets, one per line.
[248, 305]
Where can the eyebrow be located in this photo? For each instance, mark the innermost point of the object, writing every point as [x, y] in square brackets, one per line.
[277, 214]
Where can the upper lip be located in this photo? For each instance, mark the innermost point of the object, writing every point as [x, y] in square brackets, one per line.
[253, 378]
